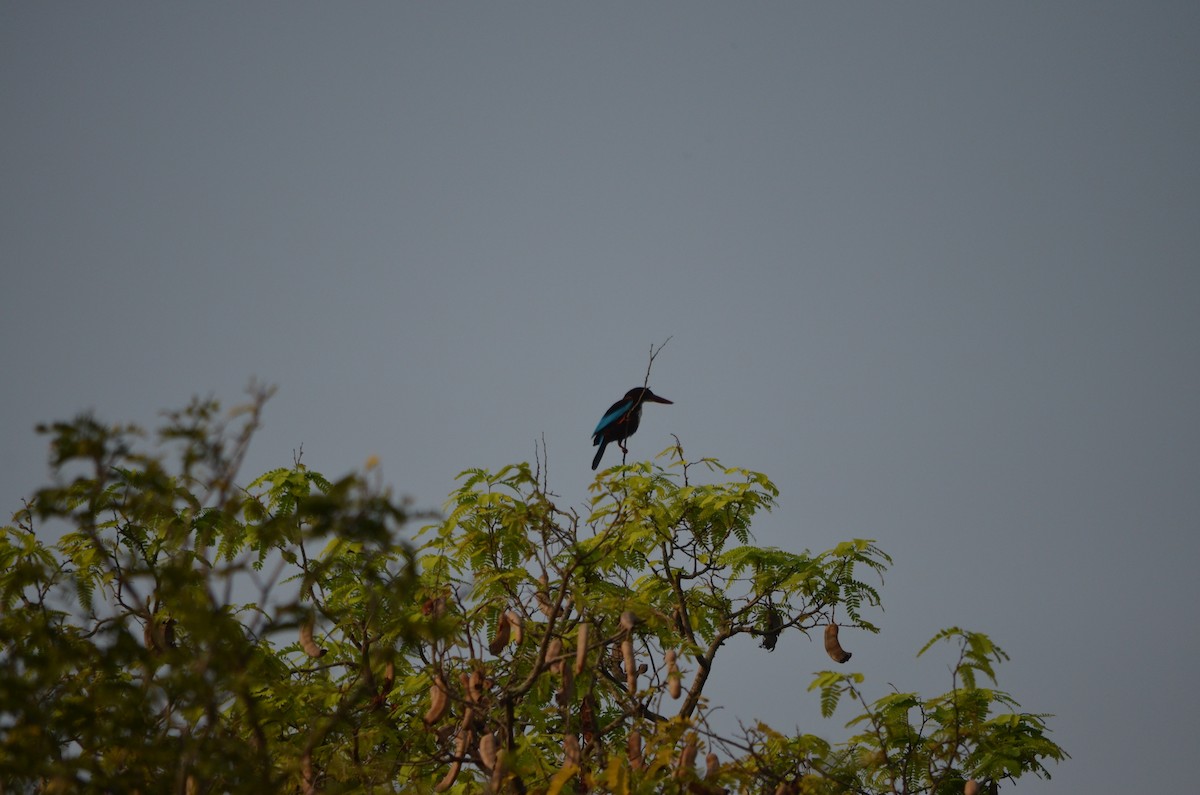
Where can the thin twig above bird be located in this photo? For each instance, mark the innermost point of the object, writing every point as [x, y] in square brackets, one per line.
[621, 420]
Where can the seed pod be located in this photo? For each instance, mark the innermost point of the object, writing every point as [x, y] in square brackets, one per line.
[674, 678]
[434, 608]
[712, 765]
[628, 620]
[774, 627]
[439, 700]
[475, 686]
[634, 749]
[306, 638]
[581, 641]
[630, 666]
[518, 626]
[832, 647]
[554, 655]
[499, 771]
[571, 753]
[687, 757]
[487, 749]
[503, 630]
[389, 677]
[460, 748]
[566, 684]
[971, 787]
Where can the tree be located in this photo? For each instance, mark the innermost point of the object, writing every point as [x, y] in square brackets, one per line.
[185, 634]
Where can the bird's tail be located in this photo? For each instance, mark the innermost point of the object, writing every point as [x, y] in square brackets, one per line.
[599, 455]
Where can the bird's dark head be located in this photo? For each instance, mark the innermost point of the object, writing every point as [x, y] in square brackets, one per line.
[641, 394]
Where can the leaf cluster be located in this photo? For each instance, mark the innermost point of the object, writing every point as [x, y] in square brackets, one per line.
[190, 634]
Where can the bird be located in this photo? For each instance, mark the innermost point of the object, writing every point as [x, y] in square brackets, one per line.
[621, 420]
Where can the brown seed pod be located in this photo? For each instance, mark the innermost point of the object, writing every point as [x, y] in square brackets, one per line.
[554, 655]
[389, 678]
[674, 678]
[687, 757]
[581, 641]
[712, 765]
[630, 665]
[571, 754]
[460, 748]
[439, 700]
[774, 627]
[518, 626]
[566, 684]
[434, 608]
[476, 686]
[499, 771]
[971, 787]
[832, 647]
[503, 631]
[487, 749]
[634, 749]
[306, 638]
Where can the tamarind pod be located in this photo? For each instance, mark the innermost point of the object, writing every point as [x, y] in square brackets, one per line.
[571, 754]
[674, 678]
[971, 787]
[712, 765]
[389, 677]
[687, 757]
[832, 647]
[475, 686]
[774, 627]
[487, 749]
[306, 638]
[633, 745]
[554, 655]
[630, 666]
[518, 626]
[565, 684]
[581, 641]
[439, 700]
[628, 621]
[460, 748]
[499, 771]
[503, 631]
[434, 607]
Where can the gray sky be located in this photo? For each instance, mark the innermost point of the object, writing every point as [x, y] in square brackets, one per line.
[931, 267]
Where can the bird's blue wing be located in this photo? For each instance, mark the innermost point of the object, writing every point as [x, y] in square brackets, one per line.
[613, 415]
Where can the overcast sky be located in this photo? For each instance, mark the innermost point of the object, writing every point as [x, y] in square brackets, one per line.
[932, 267]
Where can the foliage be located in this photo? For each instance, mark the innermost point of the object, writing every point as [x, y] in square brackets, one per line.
[184, 634]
